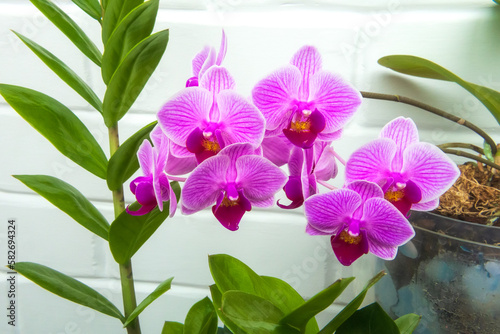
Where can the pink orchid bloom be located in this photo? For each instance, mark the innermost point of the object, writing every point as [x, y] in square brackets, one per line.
[413, 174]
[232, 181]
[360, 220]
[207, 118]
[304, 102]
[153, 188]
[306, 167]
[205, 59]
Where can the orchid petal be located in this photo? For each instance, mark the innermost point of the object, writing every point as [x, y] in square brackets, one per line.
[426, 206]
[265, 203]
[199, 59]
[205, 183]
[145, 157]
[145, 209]
[144, 193]
[179, 151]
[293, 191]
[312, 231]
[180, 166]
[242, 121]
[383, 252]
[308, 178]
[173, 203]
[329, 212]
[308, 61]
[234, 152]
[325, 168]
[274, 94]
[161, 188]
[277, 149]
[209, 62]
[366, 189]
[384, 224]
[330, 136]
[347, 253]
[217, 79]
[259, 178]
[404, 133]
[430, 169]
[335, 99]
[184, 112]
[230, 216]
[296, 161]
[222, 49]
[371, 161]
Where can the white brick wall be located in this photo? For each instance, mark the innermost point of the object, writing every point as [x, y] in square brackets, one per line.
[461, 35]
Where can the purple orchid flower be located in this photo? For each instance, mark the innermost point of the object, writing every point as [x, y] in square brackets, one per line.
[207, 118]
[205, 59]
[412, 174]
[233, 182]
[304, 102]
[306, 167]
[360, 220]
[153, 188]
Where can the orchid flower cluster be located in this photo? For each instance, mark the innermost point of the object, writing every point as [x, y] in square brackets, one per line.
[234, 151]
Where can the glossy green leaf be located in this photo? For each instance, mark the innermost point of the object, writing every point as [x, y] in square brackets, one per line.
[62, 21]
[160, 290]
[300, 316]
[352, 307]
[254, 314]
[487, 152]
[64, 72]
[370, 319]
[136, 26]
[91, 7]
[128, 233]
[115, 11]
[408, 323]
[201, 318]
[131, 76]
[124, 162]
[172, 327]
[217, 301]
[424, 68]
[67, 287]
[69, 200]
[59, 125]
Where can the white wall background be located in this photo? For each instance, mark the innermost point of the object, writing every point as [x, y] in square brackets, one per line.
[461, 35]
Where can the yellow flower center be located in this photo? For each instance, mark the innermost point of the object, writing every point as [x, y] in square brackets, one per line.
[227, 202]
[210, 145]
[300, 126]
[349, 239]
[394, 196]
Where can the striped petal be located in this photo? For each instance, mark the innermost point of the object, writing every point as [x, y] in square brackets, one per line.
[404, 133]
[308, 61]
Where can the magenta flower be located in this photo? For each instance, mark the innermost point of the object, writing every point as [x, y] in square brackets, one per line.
[412, 174]
[233, 182]
[360, 220]
[207, 118]
[205, 59]
[306, 167]
[304, 102]
[153, 188]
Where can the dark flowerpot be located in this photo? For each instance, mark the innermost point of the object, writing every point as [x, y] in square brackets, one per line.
[449, 273]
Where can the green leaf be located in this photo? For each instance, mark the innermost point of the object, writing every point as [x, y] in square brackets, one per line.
[201, 318]
[64, 72]
[253, 314]
[115, 11]
[160, 290]
[172, 327]
[352, 307]
[91, 7]
[217, 301]
[59, 125]
[408, 323]
[67, 287]
[128, 233]
[62, 21]
[487, 152]
[131, 76]
[124, 162]
[424, 68]
[370, 319]
[69, 200]
[136, 26]
[300, 316]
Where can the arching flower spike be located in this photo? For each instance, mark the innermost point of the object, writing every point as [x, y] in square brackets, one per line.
[360, 220]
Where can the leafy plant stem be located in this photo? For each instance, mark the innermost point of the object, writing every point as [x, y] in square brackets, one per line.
[126, 274]
[436, 111]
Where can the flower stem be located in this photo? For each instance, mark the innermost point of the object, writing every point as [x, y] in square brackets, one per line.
[126, 275]
[462, 145]
[470, 156]
[436, 111]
